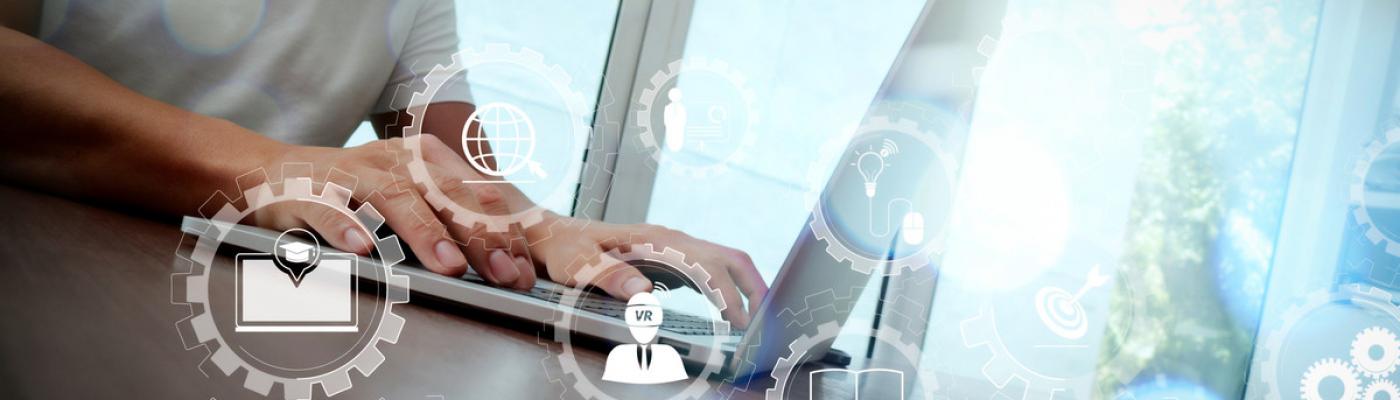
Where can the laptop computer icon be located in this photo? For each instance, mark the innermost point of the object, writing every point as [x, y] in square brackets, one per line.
[268, 299]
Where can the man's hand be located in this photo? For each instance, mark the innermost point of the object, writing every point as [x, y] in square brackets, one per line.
[441, 245]
[731, 271]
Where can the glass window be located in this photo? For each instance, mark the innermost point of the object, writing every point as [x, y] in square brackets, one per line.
[572, 35]
[1121, 175]
[812, 70]
[1359, 255]
[1344, 310]
[1122, 190]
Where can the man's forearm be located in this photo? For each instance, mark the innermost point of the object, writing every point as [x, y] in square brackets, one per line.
[76, 132]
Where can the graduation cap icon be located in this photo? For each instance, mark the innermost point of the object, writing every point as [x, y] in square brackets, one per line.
[297, 251]
[298, 260]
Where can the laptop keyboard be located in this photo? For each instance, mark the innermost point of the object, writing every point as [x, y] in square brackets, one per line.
[675, 321]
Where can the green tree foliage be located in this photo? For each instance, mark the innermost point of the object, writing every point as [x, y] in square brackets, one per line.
[1209, 193]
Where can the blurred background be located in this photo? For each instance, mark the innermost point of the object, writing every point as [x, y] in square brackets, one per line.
[1156, 142]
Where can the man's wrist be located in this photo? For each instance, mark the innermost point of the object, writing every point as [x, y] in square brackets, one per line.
[228, 163]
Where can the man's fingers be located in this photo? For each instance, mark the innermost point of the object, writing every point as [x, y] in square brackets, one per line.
[505, 253]
[621, 280]
[499, 257]
[733, 303]
[490, 254]
[746, 276]
[339, 229]
[417, 224]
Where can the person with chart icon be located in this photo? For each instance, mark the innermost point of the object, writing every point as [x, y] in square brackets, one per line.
[644, 363]
[674, 119]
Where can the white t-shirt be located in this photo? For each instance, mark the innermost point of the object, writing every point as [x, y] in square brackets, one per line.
[304, 72]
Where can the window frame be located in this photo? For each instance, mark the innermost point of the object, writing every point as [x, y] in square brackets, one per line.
[1341, 109]
[647, 35]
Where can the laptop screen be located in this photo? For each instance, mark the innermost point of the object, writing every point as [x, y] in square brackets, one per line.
[271, 299]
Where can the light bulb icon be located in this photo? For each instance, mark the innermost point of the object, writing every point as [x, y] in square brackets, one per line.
[870, 165]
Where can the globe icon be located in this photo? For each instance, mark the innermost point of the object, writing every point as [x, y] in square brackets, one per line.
[511, 143]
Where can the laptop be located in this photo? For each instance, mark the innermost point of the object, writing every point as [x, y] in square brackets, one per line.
[807, 270]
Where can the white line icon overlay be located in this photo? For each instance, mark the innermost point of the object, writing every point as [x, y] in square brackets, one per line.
[266, 299]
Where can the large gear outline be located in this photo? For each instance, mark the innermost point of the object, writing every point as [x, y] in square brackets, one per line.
[1267, 355]
[829, 330]
[816, 183]
[1330, 368]
[462, 61]
[565, 363]
[195, 285]
[673, 70]
[1358, 192]
[1375, 368]
[1003, 367]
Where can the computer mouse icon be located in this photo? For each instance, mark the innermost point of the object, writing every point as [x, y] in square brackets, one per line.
[912, 229]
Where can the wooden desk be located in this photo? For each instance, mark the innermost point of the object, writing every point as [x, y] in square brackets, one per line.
[88, 315]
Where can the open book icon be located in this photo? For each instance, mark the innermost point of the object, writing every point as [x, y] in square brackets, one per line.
[852, 379]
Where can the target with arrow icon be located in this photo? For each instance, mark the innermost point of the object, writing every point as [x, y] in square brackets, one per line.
[1062, 312]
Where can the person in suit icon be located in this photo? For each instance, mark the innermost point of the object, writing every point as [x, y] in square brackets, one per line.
[645, 362]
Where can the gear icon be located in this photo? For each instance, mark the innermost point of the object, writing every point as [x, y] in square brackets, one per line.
[192, 288]
[1358, 192]
[462, 61]
[816, 182]
[1003, 367]
[799, 349]
[564, 364]
[1375, 367]
[1381, 386]
[1330, 368]
[647, 99]
[1356, 294]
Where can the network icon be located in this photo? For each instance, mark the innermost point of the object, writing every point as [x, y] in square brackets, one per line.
[514, 142]
[1375, 353]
